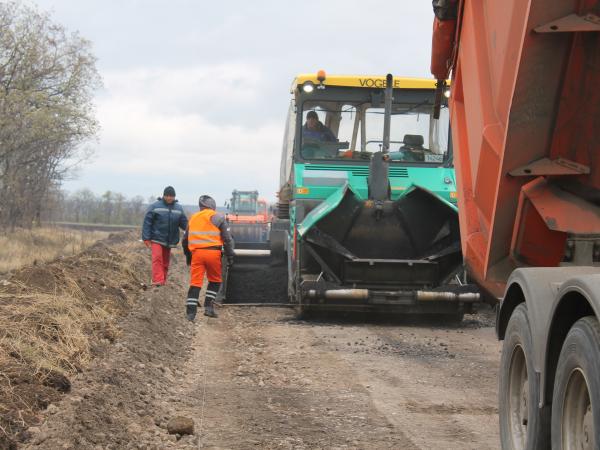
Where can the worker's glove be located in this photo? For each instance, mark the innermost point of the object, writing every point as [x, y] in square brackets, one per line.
[188, 255]
[148, 244]
[230, 261]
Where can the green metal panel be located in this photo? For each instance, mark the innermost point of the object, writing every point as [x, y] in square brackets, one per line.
[330, 183]
[319, 181]
[326, 206]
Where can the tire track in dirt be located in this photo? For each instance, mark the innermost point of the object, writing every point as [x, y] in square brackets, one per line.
[267, 387]
[436, 383]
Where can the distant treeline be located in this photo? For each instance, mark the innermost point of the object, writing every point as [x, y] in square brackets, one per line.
[110, 208]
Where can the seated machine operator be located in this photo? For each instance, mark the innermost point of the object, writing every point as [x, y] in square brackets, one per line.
[315, 137]
[314, 130]
[412, 149]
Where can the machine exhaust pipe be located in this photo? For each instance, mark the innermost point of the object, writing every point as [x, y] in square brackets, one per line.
[387, 118]
[378, 181]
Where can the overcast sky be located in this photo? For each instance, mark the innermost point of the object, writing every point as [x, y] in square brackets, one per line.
[196, 92]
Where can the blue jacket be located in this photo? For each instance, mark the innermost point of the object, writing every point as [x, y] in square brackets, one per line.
[322, 133]
[162, 223]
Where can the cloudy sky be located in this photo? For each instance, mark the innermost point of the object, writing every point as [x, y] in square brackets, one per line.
[196, 92]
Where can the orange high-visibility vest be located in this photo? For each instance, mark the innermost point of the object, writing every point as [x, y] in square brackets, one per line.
[202, 233]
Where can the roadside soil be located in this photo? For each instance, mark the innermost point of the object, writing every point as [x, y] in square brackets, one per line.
[55, 317]
[262, 378]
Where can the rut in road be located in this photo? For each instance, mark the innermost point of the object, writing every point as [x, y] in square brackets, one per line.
[271, 389]
[287, 383]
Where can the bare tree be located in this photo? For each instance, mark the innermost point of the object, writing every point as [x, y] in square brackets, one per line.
[47, 80]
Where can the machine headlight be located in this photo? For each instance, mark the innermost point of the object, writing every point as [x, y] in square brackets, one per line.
[308, 87]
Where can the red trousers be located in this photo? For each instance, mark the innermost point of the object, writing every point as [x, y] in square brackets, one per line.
[160, 263]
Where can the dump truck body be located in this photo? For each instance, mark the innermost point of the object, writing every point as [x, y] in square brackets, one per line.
[525, 114]
[368, 227]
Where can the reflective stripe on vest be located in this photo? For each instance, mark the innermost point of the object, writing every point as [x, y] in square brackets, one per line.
[202, 233]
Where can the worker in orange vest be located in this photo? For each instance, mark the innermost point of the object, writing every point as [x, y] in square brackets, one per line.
[206, 236]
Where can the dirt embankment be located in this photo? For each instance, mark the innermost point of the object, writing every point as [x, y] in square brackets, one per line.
[120, 400]
[54, 319]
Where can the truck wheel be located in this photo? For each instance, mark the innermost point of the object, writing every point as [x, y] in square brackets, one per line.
[522, 425]
[576, 396]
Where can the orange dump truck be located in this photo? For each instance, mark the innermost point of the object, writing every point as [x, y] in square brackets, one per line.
[525, 115]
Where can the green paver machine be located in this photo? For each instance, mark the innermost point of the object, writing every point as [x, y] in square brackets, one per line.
[367, 214]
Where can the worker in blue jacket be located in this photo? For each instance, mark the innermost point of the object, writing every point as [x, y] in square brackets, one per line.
[160, 232]
[314, 130]
[316, 138]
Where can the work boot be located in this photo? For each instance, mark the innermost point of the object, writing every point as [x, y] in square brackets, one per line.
[209, 310]
[191, 308]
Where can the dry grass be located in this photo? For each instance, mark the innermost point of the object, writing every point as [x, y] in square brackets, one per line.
[24, 247]
[52, 318]
[51, 333]
[45, 339]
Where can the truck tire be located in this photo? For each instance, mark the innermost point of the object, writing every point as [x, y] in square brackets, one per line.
[576, 396]
[523, 426]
